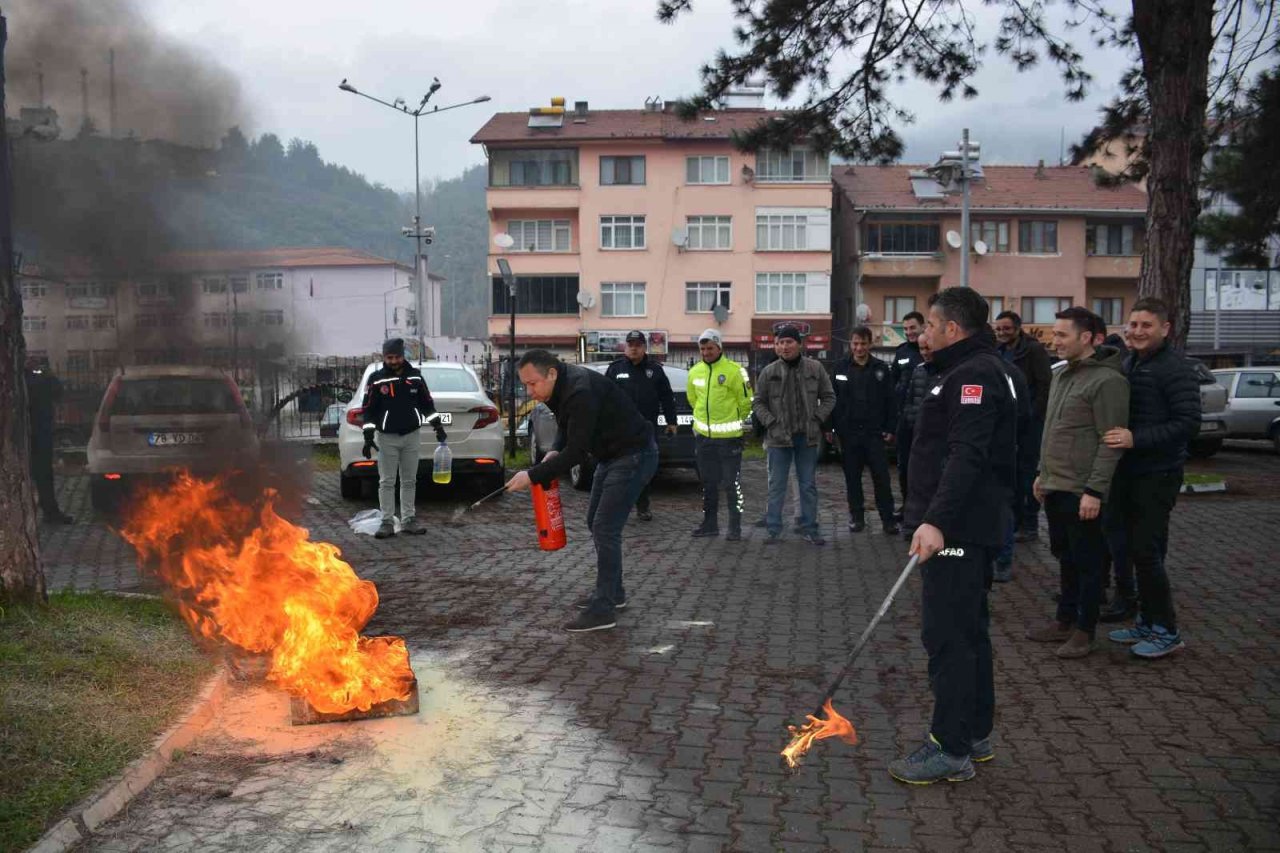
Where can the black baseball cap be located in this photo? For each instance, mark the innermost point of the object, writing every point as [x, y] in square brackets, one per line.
[788, 332]
[635, 336]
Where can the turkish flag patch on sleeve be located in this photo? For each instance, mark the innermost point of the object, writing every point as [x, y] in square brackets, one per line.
[971, 395]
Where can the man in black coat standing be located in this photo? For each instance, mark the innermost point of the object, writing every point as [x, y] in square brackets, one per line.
[43, 392]
[961, 479]
[1028, 355]
[864, 419]
[1164, 414]
[906, 358]
[646, 383]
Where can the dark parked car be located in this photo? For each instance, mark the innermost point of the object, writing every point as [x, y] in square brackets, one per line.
[674, 451]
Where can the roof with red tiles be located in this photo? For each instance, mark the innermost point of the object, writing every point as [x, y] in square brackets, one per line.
[623, 124]
[232, 260]
[1002, 188]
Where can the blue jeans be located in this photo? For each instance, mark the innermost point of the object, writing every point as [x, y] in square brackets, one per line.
[617, 485]
[806, 462]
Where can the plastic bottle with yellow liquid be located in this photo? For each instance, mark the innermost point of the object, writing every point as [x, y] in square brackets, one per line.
[442, 464]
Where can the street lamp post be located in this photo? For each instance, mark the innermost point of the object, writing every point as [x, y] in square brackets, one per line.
[510, 280]
[959, 167]
[416, 231]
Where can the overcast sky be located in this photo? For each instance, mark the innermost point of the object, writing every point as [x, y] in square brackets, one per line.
[290, 55]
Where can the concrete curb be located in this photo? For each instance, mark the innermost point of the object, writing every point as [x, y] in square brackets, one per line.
[114, 794]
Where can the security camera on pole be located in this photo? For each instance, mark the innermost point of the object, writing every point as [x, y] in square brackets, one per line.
[422, 236]
[954, 171]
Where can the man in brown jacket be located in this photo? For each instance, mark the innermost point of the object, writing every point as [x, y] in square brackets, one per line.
[1088, 397]
[793, 397]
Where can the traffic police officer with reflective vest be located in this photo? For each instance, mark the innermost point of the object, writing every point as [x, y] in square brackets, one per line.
[646, 383]
[962, 477]
[720, 395]
[396, 404]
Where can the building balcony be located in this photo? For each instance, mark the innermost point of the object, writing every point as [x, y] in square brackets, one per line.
[531, 198]
[1112, 266]
[905, 266]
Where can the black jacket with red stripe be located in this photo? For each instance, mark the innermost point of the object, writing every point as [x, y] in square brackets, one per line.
[397, 401]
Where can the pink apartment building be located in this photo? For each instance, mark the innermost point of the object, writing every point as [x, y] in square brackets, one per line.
[625, 219]
[1051, 237]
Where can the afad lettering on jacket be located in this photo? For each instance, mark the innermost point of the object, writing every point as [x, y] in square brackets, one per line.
[971, 395]
[951, 552]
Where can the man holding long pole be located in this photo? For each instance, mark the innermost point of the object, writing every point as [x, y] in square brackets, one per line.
[962, 475]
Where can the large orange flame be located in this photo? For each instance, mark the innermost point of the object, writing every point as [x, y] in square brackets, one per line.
[803, 737]
[243, 575]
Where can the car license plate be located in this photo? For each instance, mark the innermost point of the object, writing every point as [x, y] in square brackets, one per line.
[1209, 426]
[684, 420]
[445, 417]
[174, 439]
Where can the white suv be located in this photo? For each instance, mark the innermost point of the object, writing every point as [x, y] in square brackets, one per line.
[470, 419]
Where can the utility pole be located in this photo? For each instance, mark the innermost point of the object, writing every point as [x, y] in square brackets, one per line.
[111, 92]
[964, 208]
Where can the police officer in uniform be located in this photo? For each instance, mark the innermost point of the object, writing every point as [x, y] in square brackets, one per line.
[43, 392]
[866, 409]
[962, 476]
[906, 358]
[646, 383]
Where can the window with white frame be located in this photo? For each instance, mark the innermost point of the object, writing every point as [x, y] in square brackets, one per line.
[1041, 309]
[271, 318]
[34, 323]
[76, 322]
[1113, 238]
[213, 285]
[995, 304]
[104, 321]
[269, 281]
[1038, 237]
[993, 232]
[90, 289]
[622, 299]
[539, 235]
[1110, 309]
[215, 319]
[898, 307]
[782, 293]
[622, 232]
[796, 164]
[621, 171]
[793, 229]
[706, 170]
[239, 284]
[700, 297]
[710, 232]
[900, 238]
[34, 290]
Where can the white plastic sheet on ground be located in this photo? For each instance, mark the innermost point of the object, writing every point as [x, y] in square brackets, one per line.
[368, 521]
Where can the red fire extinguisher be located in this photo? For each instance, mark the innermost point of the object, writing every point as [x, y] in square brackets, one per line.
[548, 516]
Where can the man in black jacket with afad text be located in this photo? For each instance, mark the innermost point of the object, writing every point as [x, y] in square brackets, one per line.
[1164, 413]
[397, 402]
[596, 420]
[646, 383]
[962, 474]
[906, 358]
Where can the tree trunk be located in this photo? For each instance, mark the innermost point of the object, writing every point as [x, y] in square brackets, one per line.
[21, 578]
[1175, 38]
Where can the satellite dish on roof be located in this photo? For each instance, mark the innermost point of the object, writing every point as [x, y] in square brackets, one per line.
[953, 239]
[720, 313]
[503, 240]
[980, 247]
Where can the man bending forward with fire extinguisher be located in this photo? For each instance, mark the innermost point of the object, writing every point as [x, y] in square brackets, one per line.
[596, 421]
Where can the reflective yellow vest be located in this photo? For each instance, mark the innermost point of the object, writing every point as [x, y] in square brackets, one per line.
[720, 396]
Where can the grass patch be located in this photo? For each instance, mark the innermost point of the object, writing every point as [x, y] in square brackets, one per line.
[519, 460]
[324, 457]
[1201, 479]
[86, 685]
[752, 448]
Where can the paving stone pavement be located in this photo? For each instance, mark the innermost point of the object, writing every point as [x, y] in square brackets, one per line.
[664, 733]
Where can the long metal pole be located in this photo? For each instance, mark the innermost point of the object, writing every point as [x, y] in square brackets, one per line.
[514, 376]
[964, 209]
[417, 236]
[866, 634]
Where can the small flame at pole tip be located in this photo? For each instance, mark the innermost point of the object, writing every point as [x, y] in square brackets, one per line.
[816, 729]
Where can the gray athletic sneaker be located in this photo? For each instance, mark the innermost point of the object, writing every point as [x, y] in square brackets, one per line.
[981, 750]
[930, 764]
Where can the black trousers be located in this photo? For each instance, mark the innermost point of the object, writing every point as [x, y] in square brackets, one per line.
[866, 448]
[42, 475]
[905, 436]
[956, 632]
[1080, 548]
[720, 467]
[642, 502]
[1143, 505]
